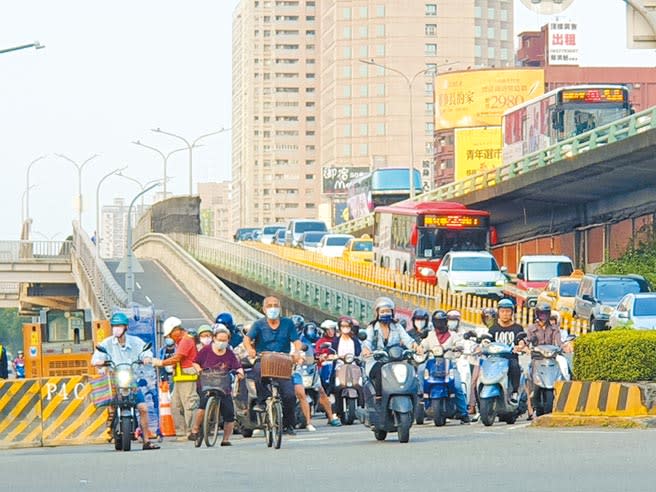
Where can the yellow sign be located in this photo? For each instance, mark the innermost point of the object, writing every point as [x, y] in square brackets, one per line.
[476, 150]
[480, 97]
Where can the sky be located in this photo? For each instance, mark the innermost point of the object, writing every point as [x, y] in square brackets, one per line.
[112, 71]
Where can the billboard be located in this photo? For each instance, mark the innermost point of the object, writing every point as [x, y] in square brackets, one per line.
[335, 179]
[476, 150]
[563, 44]
[480, 97]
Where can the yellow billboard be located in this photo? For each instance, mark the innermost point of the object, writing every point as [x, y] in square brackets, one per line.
[476, 150]
[480, 97]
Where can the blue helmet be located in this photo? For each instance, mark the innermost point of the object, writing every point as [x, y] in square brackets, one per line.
[506, 303]
[311, 332]
[226, 319]
[119, 319]
[299, 322]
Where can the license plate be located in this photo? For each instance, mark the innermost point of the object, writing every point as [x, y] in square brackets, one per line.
[481, 292]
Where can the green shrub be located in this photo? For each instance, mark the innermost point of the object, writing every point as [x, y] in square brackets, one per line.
[617, 355]
[640, 259]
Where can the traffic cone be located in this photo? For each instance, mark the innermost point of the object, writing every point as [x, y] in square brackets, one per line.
[166, 425]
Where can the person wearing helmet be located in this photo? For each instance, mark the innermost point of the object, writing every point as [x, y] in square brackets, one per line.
[122, 348]
[299, 322]
[236, 336]
[383, 331]
[184, 399]
[441, 336]
[167, 350]
[274, 333]
[453, 320]
[329, 331]
[489, 316]
[218, 356]
[542, 332]
[505, 330]
[419, 322]
[205, 335]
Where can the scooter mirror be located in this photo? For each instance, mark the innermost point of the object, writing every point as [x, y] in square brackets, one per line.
[101, 349]
[147, 347]
[362, 335]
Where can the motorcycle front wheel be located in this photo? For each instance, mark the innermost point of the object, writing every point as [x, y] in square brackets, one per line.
[380, 435]
[439, 417]
[488, 411]
[403, 430]
[126, 433]
[420, 413]
[349, 411]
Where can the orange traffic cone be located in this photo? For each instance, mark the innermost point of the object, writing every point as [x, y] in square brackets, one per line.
[166, 425]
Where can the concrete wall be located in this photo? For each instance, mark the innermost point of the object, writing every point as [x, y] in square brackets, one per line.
[176, 214]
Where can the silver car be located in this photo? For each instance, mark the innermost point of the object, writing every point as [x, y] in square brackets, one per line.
[637, 309]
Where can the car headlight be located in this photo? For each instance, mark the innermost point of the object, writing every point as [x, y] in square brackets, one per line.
[123, 378]
[426, 272]
[500, 283]
[400, 372]
[606, 309]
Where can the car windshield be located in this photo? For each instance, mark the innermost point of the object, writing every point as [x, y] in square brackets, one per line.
[474, 264]
[568, 289]
[542, 271]
[313, 237]
[271, 229]
[280, 234]
[310, 226]
[645, 306]
[612, 290]
[337, 241]
[362, 246]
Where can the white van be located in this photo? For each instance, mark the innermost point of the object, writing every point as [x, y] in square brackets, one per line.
[297, 227]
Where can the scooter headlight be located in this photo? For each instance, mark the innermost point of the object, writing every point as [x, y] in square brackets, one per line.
[124, 378]
[337, 382]
[438, 351]
[400, 372]
[349, 358]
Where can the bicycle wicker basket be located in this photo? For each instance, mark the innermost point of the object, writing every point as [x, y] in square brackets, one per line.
[215, 380]
[276, 365]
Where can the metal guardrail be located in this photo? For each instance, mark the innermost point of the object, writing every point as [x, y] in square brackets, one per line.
[17, 251]
[566, 149]
[107, 291]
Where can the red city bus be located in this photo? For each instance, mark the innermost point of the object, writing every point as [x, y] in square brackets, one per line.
[412, 238]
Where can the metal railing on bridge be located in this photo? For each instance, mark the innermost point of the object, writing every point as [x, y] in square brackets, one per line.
[25, 250]
[566, 149]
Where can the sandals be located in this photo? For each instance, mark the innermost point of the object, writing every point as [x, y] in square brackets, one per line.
[226, 443]
[149, 445]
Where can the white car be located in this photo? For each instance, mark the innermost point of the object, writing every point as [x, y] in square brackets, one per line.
[333, 244]
[639, 309]
[471, 272]
[269, 232]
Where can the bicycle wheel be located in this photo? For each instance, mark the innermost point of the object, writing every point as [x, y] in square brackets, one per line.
[276, 420]
[211, 421]
[268, 425]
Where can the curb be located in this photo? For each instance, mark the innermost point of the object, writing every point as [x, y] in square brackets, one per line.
[555, 420]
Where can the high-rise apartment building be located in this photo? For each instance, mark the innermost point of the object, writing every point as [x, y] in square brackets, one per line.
[113, 228]
[215, 209]
[304, 99]
[274, 122]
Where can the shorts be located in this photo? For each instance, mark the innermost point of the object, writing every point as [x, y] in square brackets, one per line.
[227, 407]
[297, 378]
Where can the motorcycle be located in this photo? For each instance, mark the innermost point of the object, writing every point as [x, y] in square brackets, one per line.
[439, 401]
[244, 398]
[347, 390]
[544, 371]
[395, 410]
[311, 382]
[493, 386]
[125, 421]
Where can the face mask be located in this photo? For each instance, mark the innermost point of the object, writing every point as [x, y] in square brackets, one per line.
[385, 318]
[452, 324]
[169, 342]
[220, 345]
[346, 330]
[441, 328]
[118, 331]
[273, 312]
[420, 324]
[205, 340]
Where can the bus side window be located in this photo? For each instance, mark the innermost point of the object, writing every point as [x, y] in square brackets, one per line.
[557, 121]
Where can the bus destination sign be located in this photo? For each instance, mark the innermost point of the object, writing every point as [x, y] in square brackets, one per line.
[593, 95]
[454, 221]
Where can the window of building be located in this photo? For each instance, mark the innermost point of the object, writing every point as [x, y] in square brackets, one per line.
[428, 87]
[431, 9]
[309, 148]
[346, 110]
[310, 118]
[364, 12]
[428, 108]
[309, 90]
[364, 149]
[504, 54]
[380, 89]
[490, 13]
[364, 110]
[478, 31]
[346, 150]
[346, 91]
[490, 33]
[428, 129]
[478, 13]
[364, 130]
[364, 31]
[309, 75]
[310, 205]
[363, 50]
[430, 29]
[309, 162]
[503, 35]
[309, 47]
[346, 130]
[309, 133]
[309, 104]
[380, 109]
[430, 49]
[380, 10]
[346, 72]
[347, 52]
[346, 13]
[309, 18]
[310, 32]
[309, 176]
[380, 128]
[431, 69]
[477, 51]
[503, 15]
[380, 30]
[380, 50]
[363, 69]
[364, 90]
[346, 32]
[490, 52]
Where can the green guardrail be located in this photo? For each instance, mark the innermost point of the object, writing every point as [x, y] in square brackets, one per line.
[566, 149]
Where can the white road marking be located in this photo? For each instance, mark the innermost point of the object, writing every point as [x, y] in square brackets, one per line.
[518, 426]
[148, 299]
[138, 285]
[303, 439]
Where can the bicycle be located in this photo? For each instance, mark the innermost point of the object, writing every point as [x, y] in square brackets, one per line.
[213, 382]
[274, 366]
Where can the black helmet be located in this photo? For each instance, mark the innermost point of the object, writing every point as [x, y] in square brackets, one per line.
[543, 313]
[489, 316]
[420, 314]
[439, 319]
[298, 321]
[420, 318]
[311, 332]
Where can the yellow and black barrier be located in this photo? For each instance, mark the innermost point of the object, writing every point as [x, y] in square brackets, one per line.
[49, 412]
[599, 399]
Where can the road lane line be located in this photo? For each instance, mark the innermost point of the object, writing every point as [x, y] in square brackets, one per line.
[518, 426]
[148, 299]
[138, 285]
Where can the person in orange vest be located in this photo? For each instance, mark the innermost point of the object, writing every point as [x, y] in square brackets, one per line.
[184, 399]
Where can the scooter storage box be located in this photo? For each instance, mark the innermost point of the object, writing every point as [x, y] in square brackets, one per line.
[276, 365]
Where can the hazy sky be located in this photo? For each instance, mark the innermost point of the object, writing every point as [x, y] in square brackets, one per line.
[111, 71]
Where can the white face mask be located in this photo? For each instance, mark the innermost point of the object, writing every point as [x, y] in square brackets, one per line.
[420, 324]
[205, 340]
[273, 312]
[220, 345]
[452, 324]
[117, 331]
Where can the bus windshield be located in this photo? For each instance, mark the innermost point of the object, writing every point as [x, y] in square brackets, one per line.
[434, 243]
[580, 120]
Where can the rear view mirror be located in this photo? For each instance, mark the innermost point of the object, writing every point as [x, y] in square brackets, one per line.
[147, 347]
[101, 349]
[520, 276]
[622, 315]
[588, 298]
[362, 335]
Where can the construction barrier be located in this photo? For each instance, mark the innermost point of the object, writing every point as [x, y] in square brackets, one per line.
[599, 398]
[49, 412]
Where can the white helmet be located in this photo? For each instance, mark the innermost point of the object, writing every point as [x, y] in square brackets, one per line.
[329, 324]
[170, 324]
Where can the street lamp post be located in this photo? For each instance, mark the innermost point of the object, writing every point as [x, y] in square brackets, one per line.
[129, 274]
[79, 182]
[139, 184]
[27, 185]
[35, 45]
[165, 158]
[409, 81]
[190, 146]
[98, 236]
[23, 197]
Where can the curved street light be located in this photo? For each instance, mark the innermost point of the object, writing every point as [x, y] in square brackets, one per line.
[190, 146]
[35, 45]
[24, 194]
[79, 181]
[27, 185]
[165, 158]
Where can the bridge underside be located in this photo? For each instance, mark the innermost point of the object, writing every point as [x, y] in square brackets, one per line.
[607, 184]
[35, 296]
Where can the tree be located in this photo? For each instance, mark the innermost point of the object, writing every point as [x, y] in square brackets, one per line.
[11, 329]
